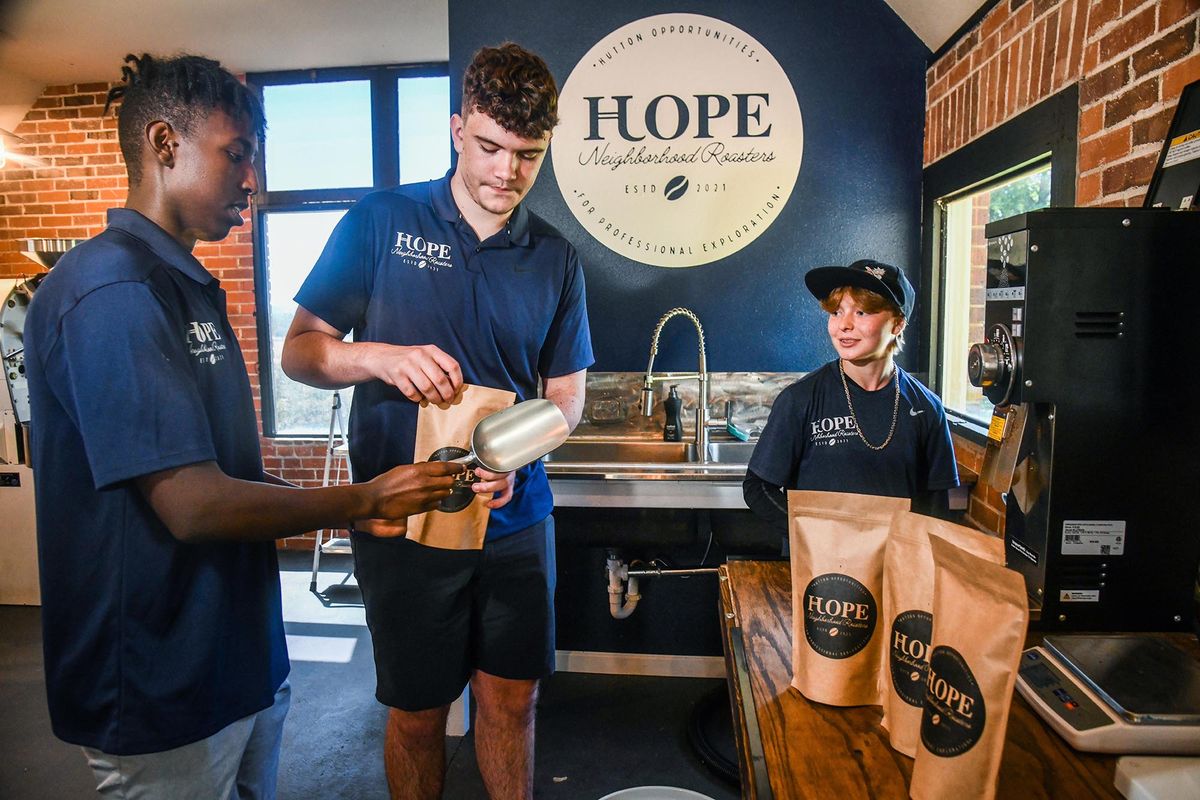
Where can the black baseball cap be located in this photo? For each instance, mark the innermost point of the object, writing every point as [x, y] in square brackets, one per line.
[874, 276]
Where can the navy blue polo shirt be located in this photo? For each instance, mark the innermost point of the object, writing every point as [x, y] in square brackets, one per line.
[403, 267]
[810, 440]
[133, 368]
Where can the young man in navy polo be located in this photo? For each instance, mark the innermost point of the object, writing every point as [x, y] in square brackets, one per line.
[444, 282]
[164, 646]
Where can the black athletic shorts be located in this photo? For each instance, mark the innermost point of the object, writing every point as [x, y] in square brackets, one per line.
[438, 615]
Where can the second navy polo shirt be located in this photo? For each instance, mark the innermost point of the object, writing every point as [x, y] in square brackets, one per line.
[150, 643]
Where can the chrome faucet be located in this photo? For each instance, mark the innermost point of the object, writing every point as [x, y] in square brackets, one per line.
[703, 421]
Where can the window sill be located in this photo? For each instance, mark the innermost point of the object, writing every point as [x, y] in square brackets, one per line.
[299, 438]
[968, 429]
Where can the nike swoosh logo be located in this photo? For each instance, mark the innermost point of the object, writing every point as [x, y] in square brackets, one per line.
[912, 412]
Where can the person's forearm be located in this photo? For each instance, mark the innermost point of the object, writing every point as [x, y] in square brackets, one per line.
[567, 393]
[320, 360]
[767, 501]
[199, 503]
[570, 405]
[933, 504]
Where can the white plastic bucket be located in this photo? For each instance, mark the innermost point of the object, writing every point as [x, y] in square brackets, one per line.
[655, 793]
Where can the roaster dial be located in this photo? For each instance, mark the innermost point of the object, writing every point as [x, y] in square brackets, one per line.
[992, 365]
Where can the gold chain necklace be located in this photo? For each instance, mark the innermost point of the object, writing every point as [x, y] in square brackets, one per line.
[895, 408]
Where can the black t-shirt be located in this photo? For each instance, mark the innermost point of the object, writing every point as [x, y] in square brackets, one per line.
[810, 441]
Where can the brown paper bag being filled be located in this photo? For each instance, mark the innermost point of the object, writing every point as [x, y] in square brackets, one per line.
[838, 542]
[462, 522]
[907, 617]
[980, 615]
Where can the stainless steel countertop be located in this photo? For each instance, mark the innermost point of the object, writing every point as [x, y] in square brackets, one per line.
[617, 471]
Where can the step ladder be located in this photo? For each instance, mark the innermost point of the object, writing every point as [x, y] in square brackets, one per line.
[337, 450]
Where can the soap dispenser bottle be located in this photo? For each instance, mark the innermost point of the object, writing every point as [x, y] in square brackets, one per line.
[673, 428]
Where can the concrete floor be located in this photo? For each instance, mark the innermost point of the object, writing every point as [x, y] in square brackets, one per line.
[596, 733]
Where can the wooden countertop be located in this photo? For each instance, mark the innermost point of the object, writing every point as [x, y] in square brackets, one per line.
[791, 747]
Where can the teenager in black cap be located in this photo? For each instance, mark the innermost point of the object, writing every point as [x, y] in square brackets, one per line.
[859, 424]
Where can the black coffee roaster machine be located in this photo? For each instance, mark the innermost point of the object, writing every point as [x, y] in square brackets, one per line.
[1092, 326]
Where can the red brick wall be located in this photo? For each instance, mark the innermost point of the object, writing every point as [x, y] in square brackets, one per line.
[1131, 59]
[82, 176]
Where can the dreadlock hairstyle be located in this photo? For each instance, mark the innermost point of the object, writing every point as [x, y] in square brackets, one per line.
[514, 87]
[180, 91]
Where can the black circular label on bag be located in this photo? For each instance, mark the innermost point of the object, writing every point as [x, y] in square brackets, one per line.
[839, 615]
[461, 495]
[954, 710]
[911, 633]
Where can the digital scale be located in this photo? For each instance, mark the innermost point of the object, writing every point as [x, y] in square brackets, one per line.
[1115, 693]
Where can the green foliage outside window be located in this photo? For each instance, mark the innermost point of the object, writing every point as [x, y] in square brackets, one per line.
[1024, 194]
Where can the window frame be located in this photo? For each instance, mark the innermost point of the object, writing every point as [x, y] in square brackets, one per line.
[385, 158]
[1045, 133]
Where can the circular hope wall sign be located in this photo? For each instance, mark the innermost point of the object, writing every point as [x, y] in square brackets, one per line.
[680, 140]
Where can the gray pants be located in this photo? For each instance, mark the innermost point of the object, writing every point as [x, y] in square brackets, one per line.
[238, 762]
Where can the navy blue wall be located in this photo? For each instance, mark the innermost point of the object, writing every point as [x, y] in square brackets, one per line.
[859, 76]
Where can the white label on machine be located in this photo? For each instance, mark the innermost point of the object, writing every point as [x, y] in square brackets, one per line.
[1006, 293]
[1079, 596]
[1093, 537]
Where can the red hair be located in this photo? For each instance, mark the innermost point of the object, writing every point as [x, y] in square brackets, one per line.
[870, 302]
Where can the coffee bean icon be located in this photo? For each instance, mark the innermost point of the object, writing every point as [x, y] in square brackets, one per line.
[936, 719]
[676, 188]
[833, 631]
[915, 675]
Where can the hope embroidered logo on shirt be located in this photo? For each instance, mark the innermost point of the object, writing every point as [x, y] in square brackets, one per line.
[205, 342]
[829, 431]
[417, 251]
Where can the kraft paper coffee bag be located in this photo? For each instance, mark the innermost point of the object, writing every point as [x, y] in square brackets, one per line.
[907, 616]
[443, 433]
[838, 543]
[980, 615]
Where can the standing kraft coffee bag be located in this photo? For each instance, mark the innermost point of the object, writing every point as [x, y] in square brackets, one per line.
[837, 543]
[980, 615]
[444, 433]
[907, 616]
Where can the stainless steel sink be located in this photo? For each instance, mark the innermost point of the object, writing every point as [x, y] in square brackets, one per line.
[731, 452]
[617, 452]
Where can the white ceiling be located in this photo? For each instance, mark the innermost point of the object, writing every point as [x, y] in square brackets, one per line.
[935, 21]
[72, 41]
[69, 41]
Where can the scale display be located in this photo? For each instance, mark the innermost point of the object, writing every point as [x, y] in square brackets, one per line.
[1115, 693]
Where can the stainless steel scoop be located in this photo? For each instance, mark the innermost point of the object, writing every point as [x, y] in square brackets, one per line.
[508, 440]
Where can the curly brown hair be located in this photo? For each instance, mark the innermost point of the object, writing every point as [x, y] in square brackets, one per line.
[514, 87]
